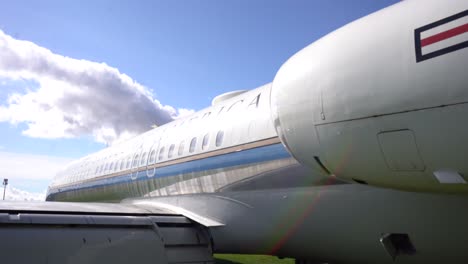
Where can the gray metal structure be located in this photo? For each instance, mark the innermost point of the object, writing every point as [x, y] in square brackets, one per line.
[99, 233]
[355, 153]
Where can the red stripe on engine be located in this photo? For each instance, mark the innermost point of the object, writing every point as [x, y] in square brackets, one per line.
[444, 35]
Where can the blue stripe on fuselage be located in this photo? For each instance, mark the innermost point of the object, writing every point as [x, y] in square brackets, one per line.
[237, 158]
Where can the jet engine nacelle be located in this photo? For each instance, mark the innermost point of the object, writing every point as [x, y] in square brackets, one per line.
[384, 100]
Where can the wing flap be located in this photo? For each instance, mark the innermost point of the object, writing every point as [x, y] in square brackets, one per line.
[50, 232]
[81, 208]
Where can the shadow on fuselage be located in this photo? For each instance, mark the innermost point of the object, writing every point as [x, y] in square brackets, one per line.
[297, 176]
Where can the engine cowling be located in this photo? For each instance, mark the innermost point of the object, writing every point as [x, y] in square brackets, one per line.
[374, 103]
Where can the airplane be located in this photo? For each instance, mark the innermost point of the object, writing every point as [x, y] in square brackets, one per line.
[354, 153]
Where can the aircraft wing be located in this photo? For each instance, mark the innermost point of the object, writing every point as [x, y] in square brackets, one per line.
[55, 232]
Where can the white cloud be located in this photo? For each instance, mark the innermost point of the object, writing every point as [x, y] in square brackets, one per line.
[14, 194]
[185, 112]
[29, 174]
[75, 97]
[32, 167]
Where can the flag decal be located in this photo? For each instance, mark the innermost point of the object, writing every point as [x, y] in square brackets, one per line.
[441, 37]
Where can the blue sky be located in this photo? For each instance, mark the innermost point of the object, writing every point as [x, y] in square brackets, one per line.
[183, 53]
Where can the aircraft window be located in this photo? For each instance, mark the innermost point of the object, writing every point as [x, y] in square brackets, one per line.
[129, 162]
[207, 114]
[161, 153]
[152, 158]
[236, 103]
[181, 148]
[143, 159]
[97, 170]
[116, 165]
[171, 151]
[105, 167]
[219, 138]
[122, 164]
[111, 166]
[135, 161]
[205, 141]
[193, 143]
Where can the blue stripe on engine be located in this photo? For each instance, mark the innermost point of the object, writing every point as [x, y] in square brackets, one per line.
[244, 157]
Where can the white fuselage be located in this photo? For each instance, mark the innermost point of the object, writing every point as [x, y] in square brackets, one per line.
[210, 151]
[381, 102]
